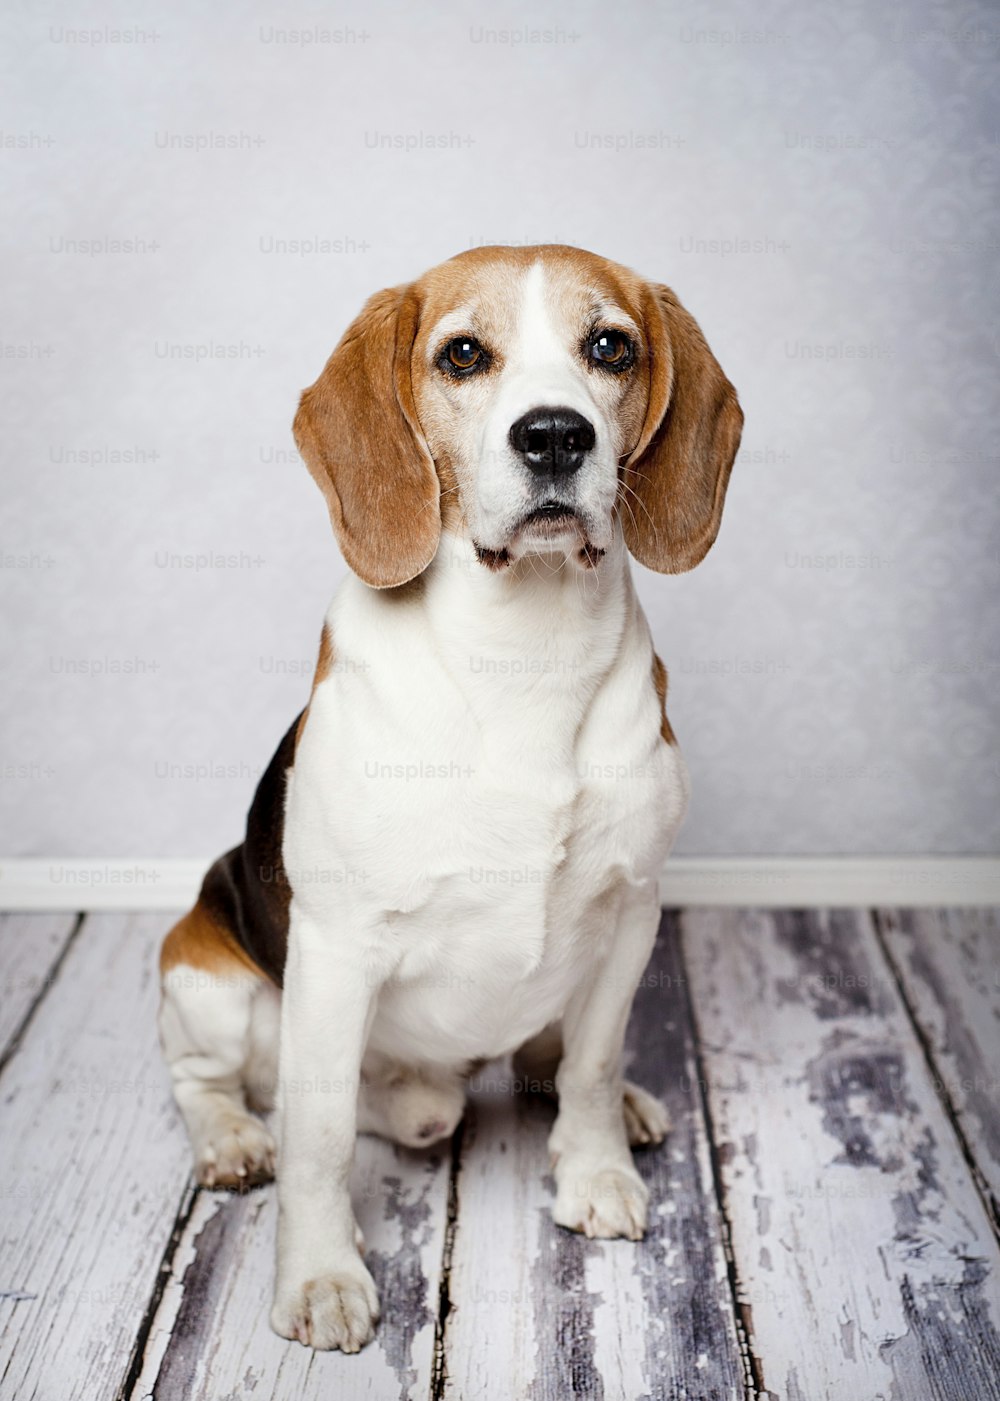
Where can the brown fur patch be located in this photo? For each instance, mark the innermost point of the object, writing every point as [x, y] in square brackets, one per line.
[660, 682]
[201, 941]
[358, 431]
[452, 516]
[493, 559]
[324, 664]
[675, 481]
[590, 556]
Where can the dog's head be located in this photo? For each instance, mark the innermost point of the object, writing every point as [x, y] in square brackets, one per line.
[525, 397]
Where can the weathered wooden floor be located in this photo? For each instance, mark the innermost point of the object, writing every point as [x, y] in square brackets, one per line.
[824, 1213]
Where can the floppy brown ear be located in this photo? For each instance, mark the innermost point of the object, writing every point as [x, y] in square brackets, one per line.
[358, 431]
[676, 476]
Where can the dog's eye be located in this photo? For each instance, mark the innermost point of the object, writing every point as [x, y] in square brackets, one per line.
[462, 355]
[612, 349]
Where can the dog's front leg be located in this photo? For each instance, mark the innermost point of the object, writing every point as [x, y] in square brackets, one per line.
[324, 1295]
[598, 1190]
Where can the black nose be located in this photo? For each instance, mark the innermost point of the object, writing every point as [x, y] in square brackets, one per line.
[552, 440]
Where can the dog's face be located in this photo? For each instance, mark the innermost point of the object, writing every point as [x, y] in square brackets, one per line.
[531, 381]
[524, 397]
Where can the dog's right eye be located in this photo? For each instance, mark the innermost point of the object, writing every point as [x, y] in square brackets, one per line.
[462, 356]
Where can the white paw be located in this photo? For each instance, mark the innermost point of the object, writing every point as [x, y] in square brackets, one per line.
[604, 1202]
[238, 1153]
[412, 1111]
[424, 1115]
[336, 1309]
[646, 1119]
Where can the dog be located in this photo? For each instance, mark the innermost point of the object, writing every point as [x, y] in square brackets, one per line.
[442, 863]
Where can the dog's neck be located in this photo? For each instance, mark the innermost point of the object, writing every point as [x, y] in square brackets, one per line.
[538, 616]
[517, 659]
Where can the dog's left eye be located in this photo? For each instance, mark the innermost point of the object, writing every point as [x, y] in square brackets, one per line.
[462, 355]
[613, 349]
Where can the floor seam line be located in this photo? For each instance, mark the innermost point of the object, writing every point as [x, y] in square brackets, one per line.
[752, 1369]
[164, 1272]
[439, 1367]
[51, 976]
[937, 1079]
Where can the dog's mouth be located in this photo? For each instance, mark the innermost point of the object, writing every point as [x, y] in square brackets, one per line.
[550, 519]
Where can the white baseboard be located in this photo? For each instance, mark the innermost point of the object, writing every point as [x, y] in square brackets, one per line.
[794, 881]
[823, 882]
[64, 883]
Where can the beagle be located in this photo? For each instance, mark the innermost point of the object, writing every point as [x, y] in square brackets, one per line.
[443, 863]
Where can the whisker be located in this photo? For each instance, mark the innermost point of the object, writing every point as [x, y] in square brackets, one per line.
[642, 503]
[631, 514]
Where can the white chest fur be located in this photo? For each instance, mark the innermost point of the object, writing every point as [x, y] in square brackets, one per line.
[481, 773]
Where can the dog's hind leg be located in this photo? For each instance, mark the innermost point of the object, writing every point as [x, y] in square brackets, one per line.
[218, 1024]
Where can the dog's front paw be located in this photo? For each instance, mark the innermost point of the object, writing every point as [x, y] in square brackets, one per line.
[237, 1152]
[336, 1309]
[600, 1201]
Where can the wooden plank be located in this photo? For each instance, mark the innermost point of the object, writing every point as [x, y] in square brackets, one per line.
[211, 1338]
[861, 1247]
[93, 1168]
[30, 949]
[948, 962]
[538, 1313]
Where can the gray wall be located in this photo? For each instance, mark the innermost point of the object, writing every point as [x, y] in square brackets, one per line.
[817, 182]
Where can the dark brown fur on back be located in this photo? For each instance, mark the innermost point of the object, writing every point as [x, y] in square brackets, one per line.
[247, 890]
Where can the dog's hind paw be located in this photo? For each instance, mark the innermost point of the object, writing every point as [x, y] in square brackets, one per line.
[646, 1119]
[239, 1152]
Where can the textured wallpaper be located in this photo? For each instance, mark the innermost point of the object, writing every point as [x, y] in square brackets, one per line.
[197, 200]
